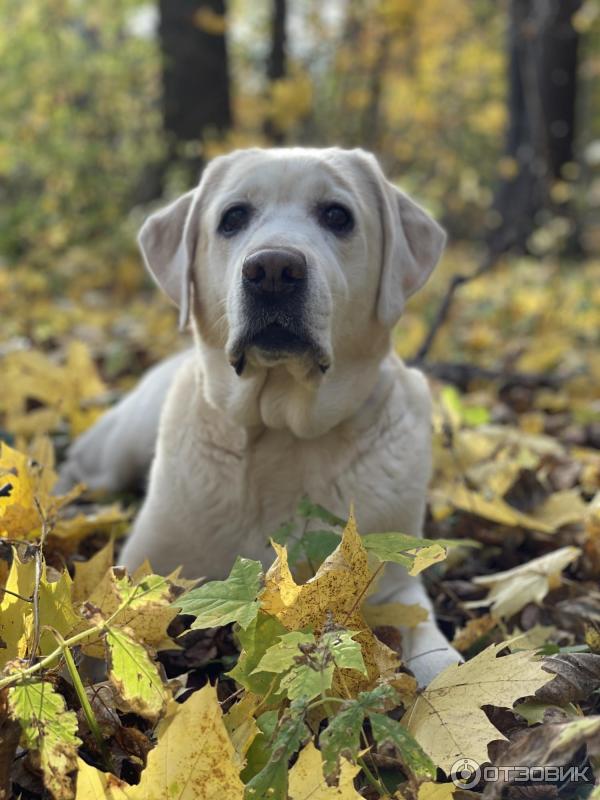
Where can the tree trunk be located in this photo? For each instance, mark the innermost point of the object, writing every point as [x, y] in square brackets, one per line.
[196, 98]
[542, 91]
[277, 61]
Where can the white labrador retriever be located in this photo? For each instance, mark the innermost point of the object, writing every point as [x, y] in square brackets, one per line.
[294, 265]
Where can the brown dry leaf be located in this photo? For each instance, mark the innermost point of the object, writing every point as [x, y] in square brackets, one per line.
[306, 780]
[339, 587]
[550, 744]
[577, 676]
[447, 720]
[511, 590]
[473, 630]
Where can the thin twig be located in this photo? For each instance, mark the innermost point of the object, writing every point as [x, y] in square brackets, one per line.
[458, 280]
[39, 566]
[16, 594]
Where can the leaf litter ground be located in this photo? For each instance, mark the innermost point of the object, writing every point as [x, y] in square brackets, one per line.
[256, 689]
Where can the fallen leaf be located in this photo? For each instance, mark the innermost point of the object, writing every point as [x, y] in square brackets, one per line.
[336, 592]
[134, 675]
[88, 574]
[92, 784]
[193, 757]
[447, 720]
[306, 780]
[48, 731]
[290, 735]
[241, 725]
[436, 791]
[510, 591]
[577, 676]
[15, 606]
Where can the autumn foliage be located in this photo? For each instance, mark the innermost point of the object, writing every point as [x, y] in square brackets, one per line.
[288, 684]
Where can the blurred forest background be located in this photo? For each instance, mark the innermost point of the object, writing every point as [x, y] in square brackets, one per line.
[487, 111]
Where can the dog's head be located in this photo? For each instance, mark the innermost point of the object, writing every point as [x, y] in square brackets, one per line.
[291, 256]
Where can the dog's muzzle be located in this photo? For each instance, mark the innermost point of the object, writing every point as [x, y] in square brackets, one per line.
[274, 298]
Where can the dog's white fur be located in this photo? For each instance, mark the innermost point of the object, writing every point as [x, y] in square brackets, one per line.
[235, 454]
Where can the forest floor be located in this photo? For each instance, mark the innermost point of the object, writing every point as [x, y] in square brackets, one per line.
[516, 476]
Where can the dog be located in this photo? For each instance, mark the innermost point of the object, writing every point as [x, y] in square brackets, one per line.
[293, 265]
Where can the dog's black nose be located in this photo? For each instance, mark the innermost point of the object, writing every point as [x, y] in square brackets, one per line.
[274, 271]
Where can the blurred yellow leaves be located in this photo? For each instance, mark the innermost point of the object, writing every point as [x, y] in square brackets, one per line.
[72, 392]
[27, 502]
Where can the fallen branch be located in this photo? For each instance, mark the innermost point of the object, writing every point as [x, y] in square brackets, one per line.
[461, 374]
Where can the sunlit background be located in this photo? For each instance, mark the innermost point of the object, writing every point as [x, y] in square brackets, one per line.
[487, 112]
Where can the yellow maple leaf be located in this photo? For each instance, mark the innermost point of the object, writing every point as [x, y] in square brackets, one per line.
[306, 780]
[14, 607]
[73, 391]
[148, 613]
[447, 720]
[193, 757]
[55, 610]
[89, 574]
[19, 489]
[338, 588]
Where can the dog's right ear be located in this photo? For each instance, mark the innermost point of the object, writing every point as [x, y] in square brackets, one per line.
[168, 243]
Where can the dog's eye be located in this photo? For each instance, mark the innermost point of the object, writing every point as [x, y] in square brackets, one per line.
[336, 218]
[234, 219]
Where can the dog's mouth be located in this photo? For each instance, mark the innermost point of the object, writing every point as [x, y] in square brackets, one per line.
[274, 343]
[279, 339]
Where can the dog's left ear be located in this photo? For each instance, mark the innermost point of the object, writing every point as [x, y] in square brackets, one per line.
[412, 245]
[168, 243]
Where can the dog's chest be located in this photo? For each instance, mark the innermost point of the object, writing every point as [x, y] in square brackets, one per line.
[238, 487]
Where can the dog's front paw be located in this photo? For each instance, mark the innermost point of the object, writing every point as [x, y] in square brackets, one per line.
[427, 652]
